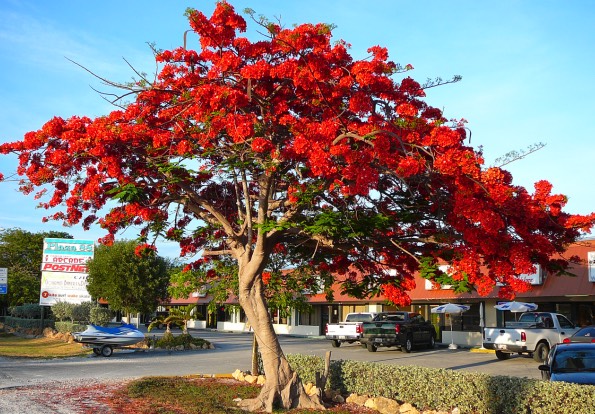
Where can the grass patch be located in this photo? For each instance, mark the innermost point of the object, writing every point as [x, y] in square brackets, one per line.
[188, 395]
[15, 346]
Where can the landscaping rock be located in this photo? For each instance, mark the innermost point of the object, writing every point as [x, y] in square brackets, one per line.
[357, 399]
[383, 405]
[407, 408]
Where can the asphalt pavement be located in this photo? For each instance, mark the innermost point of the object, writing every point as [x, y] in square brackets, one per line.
[233, 351]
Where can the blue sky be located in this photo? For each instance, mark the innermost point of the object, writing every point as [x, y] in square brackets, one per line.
[528, 71]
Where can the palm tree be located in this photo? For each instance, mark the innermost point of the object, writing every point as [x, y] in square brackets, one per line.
[181, 316]
[176, 316]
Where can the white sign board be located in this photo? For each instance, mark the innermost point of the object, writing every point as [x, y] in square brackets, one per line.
[64, 271]
[431, 286]
[63, 287]
[533, 278]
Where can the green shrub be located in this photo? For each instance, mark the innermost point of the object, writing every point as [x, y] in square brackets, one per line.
[169, 341]
[429, 388]
[100, 316]
[69, 327]
[25, 323]
[82, 312]
[26, 311]
[63, 311]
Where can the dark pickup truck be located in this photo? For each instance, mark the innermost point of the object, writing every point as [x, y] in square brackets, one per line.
[405, 330]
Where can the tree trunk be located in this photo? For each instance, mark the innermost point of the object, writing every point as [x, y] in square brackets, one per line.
[283, 389]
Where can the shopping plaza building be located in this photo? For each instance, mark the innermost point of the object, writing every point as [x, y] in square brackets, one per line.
[572, 296]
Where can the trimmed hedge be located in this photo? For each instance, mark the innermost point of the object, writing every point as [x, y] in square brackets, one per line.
[441, 389]
[25, 323]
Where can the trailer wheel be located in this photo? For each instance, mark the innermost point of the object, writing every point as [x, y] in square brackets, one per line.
[107, 350]
[502, 355]
[336, 343]
[541, 352]
[371, 347]
[97, 351]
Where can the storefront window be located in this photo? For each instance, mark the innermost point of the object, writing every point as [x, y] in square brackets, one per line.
[463, 322]
[280, 316]
[585, 314]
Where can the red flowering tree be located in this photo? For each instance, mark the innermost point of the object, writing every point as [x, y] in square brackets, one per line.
[290, 143]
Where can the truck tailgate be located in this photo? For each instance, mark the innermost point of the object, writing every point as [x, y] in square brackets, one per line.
[501, 336]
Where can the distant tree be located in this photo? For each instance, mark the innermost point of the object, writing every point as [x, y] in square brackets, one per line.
[184, 314]
[130, 277]
[21, 254]
[177, 316]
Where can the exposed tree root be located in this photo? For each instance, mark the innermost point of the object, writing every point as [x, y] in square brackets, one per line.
[292, 395]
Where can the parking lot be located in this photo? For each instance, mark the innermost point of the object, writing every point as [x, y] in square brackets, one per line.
[440, 357]
[233, 351]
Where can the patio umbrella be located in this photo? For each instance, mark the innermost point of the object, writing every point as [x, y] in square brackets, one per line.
[453, 309]
[516, 307]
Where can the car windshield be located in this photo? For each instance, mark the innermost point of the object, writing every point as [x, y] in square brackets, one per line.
[574, 361]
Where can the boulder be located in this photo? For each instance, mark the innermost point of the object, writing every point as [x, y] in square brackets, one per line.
[238, 375]
[382, 405]
[357, 399]
[407, 408]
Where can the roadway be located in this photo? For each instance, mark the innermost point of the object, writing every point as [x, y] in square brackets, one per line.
[233, 351]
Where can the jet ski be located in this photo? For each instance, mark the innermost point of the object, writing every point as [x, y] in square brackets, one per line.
[103, 340]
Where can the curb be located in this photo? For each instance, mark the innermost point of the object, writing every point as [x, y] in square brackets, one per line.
[213, 375]
[482, 350]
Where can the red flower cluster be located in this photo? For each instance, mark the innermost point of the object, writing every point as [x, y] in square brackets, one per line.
[145, 250]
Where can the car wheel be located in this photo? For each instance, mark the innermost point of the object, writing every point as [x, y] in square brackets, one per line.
[336, 343]
[541, 352]
[97, 351]
[107, 350]
[408, 344]
[371, 347]
[502, 355]
[432, 343]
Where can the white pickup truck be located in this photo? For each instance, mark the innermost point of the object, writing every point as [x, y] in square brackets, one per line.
[534, 334]
[349, 331]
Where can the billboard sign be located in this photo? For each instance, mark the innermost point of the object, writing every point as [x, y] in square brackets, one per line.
[64, 271]
[63, 287]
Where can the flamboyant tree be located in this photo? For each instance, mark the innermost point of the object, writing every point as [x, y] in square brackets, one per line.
[289, 143]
